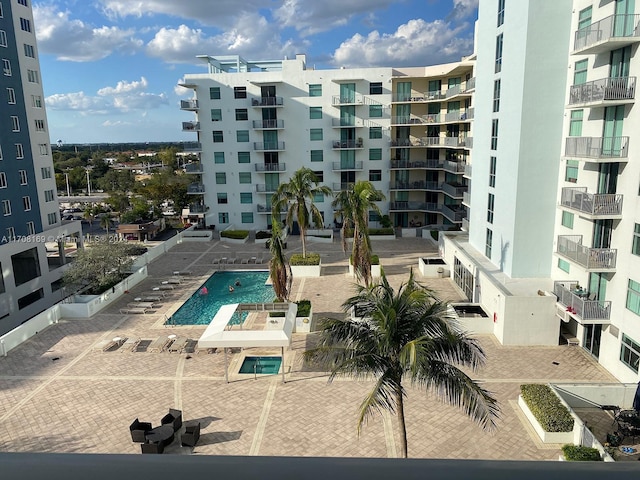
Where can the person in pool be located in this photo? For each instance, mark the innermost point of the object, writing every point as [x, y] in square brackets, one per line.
[231, 289]
[238, 282]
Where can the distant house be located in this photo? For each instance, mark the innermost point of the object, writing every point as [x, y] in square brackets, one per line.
[140, 230]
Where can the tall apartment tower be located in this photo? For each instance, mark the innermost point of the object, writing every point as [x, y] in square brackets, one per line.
[405, 130]
[33, 241]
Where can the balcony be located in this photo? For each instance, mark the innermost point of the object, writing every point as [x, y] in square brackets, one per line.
[272, 124]
[352, 122]
[453, 167]
[465, 225]
[261, 102]
[268, 146]
[418, 185]
[610, 33]
[270, 167]
[339, 187]
[466, 199]
[190, 126]
[196, 209]
[345, 166]
[418, 97]
[191, 105]
[454, 191]
[592, 259]
[419, 165]
[193, 168]
[192, 147]
[603, 93]
[262, 188]
[590, 205]
[585, 309]
[448, 142]
[347, 144]
[268, 208]
[195, 189]
[455, 216]
[467, 171]
[353, 99]
[597, 149]
[415, 119]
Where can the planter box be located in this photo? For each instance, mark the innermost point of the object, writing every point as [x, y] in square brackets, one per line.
[306, 270]
[433, 267]
[382, 237]
[303, 324]
[546, 437]
[234, 240]
[197, 236]
[261, 241]
[376, 271]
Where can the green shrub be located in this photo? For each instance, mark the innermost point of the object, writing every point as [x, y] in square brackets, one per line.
[299, 260]
[375, 260]
[236, 234]
[385, 221]
[545, 405]
[578, 453]
[434, 234]
[348, 232]
[262, 234]
[304, 309]
[136, 250]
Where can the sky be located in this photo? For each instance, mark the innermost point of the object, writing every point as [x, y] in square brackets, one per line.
[111, 68]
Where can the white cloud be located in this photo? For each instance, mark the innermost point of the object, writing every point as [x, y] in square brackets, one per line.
[414, 43]
[464, 8]
[76, 41]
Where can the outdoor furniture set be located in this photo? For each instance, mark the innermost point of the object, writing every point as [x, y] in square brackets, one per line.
[154, 440]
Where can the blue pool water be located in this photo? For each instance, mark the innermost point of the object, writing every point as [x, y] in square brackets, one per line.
[200, 309]
[261, 365]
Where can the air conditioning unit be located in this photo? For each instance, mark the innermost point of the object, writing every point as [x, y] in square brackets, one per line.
[562, 313]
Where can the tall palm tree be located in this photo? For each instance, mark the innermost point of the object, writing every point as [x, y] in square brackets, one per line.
[404, 335]
[296, 196]
[354, 205]
[105, 222]
[278, 267]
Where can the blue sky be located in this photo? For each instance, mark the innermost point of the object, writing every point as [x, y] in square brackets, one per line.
[110, 68]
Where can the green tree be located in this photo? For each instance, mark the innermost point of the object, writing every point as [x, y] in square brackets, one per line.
[118, 202]
[354, 205]
[117, 181]
[409, 335]
[296, 196]
[105, 222]
[89, 213]
[278, 267]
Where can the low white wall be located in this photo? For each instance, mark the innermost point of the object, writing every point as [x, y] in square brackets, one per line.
[299, 271]
[234, 240]
[23, 332]
[549, 437]
[376, 271]
[303, 324]
[382, 237]
[432, 271]
[197, 235]
[319, 236]
[409, 232]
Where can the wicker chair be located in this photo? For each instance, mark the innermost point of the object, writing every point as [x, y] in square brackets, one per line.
[191, 435]
[139, 430]
[173, 418]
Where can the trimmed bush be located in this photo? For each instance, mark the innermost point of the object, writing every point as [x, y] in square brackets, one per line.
[545, 405]
[348, 233]
[375, 260]
[304, 309]
[578, 453]
[262, 234]
[236, 234]
[298, 260]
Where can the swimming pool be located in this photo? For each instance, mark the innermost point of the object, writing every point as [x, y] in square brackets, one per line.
[200, 309]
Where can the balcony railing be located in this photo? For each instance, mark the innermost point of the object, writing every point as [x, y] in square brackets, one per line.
[192, 147]
[262, 188]
[268, 124]
[193, 168]
[267, 208]
[189, 104]
[270, 167]
[353, 99]
[466, 198]
[406, 206]
[467, 170]
[608, 91]
[465, 225]
[190, 126]
[268, 146]
[339, 166]
[195, 188]
[597, 148]
[600, 205]
[618, 30]
[460, 141]
[581, 306]
[342, 144]
[593, 259]
[197, 208]
[267, 102]
[418, 96]
[339, 187]
[354, 122]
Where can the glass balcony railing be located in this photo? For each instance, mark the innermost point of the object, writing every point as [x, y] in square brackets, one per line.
[270, 167]
[605, 91]
[611, 32]
[598, 149]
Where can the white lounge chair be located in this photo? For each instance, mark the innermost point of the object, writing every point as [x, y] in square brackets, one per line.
[244, 261]
[128, 310]
[143, 305]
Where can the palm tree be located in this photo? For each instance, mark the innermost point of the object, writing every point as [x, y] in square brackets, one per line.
[409, 335]
[354, 205]
[296, 196]
[105, 222]
[278, 268]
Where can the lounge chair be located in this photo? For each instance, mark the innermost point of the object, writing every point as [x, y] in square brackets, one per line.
[172, 281]
[152, 447]
[151, 298]
[129, 310]
[139, 430]
[158, 345]
[259, 260]
[232, 260]
[166, 286]
[244, 260]
[143, 305]
[130, 344]
[106, 345]
[179, 273]
[178, 345]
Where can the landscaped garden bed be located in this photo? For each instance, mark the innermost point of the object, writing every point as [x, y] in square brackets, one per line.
[308, 266]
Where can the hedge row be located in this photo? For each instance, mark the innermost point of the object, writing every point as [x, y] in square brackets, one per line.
[262, 234]
[304, 309]
[236, 234]
[579, 453]
[298, 260]
[545, 405]
[348, 233]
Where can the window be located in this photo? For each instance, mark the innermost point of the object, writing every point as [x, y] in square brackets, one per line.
[246, 197]
[217, 136]
[3, 38]
[23, 177]
[214, 93]
[25, 24]
[580, 72]
[3, 180]
[489, 241]
[315, 113]
[567, 219]
[496, 95]
[221, 178]
[39, 125]
[492, 171]
[375, 132]
[45, 172]
[629, 353]
[244, 177]
[36, 101]
[375, 154]
[216, 115]
[242, 136]
[26, 203]
[223, 217]
[319, 175]
[242, 114]
[317, 155]
[318, 197]
[571, 171]
[584, 18]
[375, 88]
[494, 134]
[315, 134]
[33, 76]
[15, 123]
[244, 157]
[31, 228]
[222, 197]
[315, 90]
[6, 208]
[11, 233]
[19, 151]
[48, 195]
[633, 297]
[11, 96]
[375, 175]
[375, 111]
[247, 217]
[635, 248]
[44, 148]
[218, 157]
[6, 67]
[1, 13]
[500, 12]
[498, 53]
[374, 216]
[23, 2]
[29, 51]
[564, 265]
[239, 92]
[490, 207]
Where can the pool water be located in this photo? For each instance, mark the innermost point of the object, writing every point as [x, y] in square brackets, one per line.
[200, 309]
[268, 365]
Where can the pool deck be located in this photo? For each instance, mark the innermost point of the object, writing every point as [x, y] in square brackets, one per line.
[59, 394]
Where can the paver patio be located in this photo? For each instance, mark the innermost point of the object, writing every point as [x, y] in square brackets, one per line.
[57, 394]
